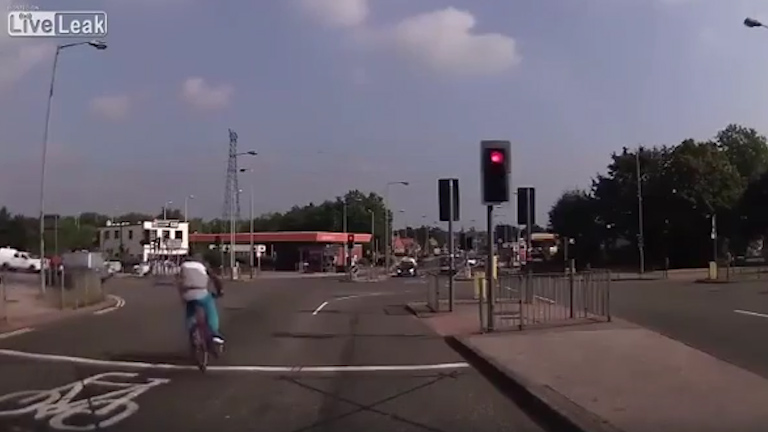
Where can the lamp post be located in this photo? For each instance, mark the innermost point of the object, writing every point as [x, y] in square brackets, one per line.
[99, 45]
[250, 222]
[753, 23]
[232, 222]
[165, 209]
[388, 223]
[186, 206]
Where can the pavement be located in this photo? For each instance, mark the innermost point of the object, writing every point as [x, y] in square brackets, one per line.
[302, 355]
[694, 362]
[22, 308]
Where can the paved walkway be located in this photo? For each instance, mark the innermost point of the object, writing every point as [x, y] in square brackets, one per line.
[22, 306]
[617, 376]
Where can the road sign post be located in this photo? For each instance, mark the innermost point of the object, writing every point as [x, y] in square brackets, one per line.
[448, 194]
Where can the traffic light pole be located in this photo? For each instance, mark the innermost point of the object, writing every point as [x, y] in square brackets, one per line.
[489, 296]
[529, 248]
[451, 247]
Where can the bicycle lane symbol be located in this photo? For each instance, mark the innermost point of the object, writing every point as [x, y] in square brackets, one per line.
[59, 404]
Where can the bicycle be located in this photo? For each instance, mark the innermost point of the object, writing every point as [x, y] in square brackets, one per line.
[201, 340]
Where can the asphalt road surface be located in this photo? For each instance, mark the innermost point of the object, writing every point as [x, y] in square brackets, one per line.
[728, 321]
[302, 355]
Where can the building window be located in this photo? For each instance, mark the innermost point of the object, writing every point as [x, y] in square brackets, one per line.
[117, 234]
[166, 234]
[179, 235]
[130, 234]
[106, 235]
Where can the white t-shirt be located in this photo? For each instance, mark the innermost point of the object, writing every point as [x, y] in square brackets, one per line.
[194, 277]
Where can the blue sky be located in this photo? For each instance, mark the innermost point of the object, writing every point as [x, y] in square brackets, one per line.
[341, 94]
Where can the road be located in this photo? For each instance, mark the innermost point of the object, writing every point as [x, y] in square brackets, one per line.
[386, 370]
[728, 321]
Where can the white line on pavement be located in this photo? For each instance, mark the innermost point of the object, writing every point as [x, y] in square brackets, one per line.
[750, 313]
[268, 369]
[15, 332]
[119, 302]
[349, 297]
[319, 308]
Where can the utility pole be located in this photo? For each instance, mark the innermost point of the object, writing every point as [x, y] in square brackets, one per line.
[640, 236]
[344, 230]
[250, 235]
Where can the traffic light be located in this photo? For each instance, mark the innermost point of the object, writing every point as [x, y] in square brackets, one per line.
[495, 165]
[350, 241]
[526, 206]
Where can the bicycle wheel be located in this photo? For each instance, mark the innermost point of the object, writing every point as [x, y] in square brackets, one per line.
[200, 340]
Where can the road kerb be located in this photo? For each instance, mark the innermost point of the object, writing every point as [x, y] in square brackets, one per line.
[542, 402]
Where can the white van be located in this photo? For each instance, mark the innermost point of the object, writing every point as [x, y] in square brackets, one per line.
[13, 259]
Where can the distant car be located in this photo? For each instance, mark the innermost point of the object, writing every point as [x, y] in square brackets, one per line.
[12, 259]
[141, 269]
[406, 269]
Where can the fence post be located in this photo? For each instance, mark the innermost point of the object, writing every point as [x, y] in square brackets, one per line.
[571, 271]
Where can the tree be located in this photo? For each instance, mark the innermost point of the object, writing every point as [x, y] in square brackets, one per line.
[575, 216]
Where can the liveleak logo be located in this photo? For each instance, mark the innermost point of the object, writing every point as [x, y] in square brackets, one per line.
[83, 24]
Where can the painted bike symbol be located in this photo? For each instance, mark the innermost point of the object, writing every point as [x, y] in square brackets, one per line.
[59, 404]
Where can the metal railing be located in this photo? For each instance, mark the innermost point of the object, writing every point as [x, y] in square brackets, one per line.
[522, 300]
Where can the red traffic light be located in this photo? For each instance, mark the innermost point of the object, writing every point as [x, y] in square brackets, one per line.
[350, 238]
[497, 157]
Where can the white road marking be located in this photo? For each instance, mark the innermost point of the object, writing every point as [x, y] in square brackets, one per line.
[750, 313]
[119, 302]
[60, 405]
[319, 308]
[349, 297]
[267, 369]
[16, 332]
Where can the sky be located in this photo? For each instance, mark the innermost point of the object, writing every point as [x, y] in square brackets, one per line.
[352, 94]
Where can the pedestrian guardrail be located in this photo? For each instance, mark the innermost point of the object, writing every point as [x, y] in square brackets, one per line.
[529, 299]
[523, 300]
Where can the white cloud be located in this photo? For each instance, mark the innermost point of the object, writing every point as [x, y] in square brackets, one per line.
[443, 40]
[115, 107]
[202, 95]
[337, 13]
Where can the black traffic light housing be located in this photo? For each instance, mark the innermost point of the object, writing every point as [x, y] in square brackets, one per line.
[350, 241]
[495, 166]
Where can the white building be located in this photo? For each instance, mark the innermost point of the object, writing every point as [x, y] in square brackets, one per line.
[144, 241]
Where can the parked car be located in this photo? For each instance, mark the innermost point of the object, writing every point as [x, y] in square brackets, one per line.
[16, 260]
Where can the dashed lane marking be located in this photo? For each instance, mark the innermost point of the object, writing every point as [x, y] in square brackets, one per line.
[263, 369]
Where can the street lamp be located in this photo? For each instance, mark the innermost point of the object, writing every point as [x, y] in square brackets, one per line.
[232, 222]
[99, 45]
[186, 206]
[250, 219]
[165, 209]
[388, 223]
[752, 23]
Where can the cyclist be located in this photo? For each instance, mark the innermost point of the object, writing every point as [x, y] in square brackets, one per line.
[194, 276]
